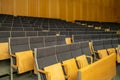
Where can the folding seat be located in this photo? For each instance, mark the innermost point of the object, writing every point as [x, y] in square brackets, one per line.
[37, 29]
[18, 44]
[28, 29]
[119, 40]
[31, 33]
[26, 25]
[47, 65]
[85, 48]
[4, 53]
[95, 37]
[5, 29]
[109, 36]
[75, 49]
[51, 33]
[6, 25]
[63, 52]
[103, 36]
[60, 39]
[42, 33]
[62, 29]
[53, 29]
[98, 45]
[36, 42]
[64, 33]
[80, 57]
[108, 45]
[115, 42]
[50, 40]
[4, 36]
[17, 25]
[64, 55]
[81, 32]
[17, 34]
[21, 55]
[115, 36]
[17, 29]
[76, 38]
[72, 33]
[99, 48]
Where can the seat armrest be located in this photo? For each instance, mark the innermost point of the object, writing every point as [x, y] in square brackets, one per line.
[14, 66]
[13, 55]
[90, 58]
[42, 71]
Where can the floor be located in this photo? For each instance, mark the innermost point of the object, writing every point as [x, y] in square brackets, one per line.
[30, 76]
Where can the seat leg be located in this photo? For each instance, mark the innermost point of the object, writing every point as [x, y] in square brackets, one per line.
[11, 69]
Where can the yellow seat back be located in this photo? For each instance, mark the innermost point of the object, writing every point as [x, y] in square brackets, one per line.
[71, 69]
[4, 53]
[118, 58]
[24, 61]
[82, 61]
[103, 69]
[55, 72]
[91, 48]
[111, 50]
[102, 53]
[68, 40]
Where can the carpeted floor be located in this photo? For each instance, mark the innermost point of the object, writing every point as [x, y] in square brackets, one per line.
[33, 77]
[117, 77]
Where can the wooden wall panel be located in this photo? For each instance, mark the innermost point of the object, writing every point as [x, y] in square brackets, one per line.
[53, 8]
[77, 10]
[43, 8]
[7, 7]
[62, 9]
[117, 10]
[0, 6]
[21, 7]
[70, 10]
[85, 9]
[33, 8]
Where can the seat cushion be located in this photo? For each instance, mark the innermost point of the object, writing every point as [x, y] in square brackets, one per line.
[24, 61]
[82, 61]
[4, 54]
[55, 72]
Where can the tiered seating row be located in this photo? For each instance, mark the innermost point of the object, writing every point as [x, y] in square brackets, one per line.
[72, 59]
[89, 37]
[102, 25]
[55, 54]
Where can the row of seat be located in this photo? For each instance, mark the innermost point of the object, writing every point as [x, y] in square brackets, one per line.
[89, 37]
[19, 47]
[41, 23]
[105, 47]
[5, 34]
[66, 63]
[44, 28]
[29, 43]
[49, 59]
[104, 25]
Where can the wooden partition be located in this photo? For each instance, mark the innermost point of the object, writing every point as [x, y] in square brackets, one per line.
[70, 10]
[33, 8]
[7, 6]
[62, 9]
[43, 9]
[0, 6]
[103, 69]
[117, 5]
